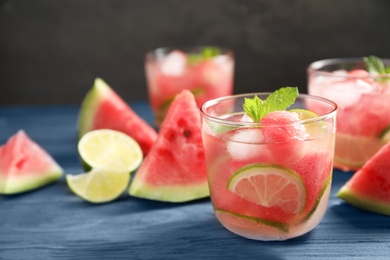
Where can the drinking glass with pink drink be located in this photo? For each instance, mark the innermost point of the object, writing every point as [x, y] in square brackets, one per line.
[269, 162]
[361, 88]
[206, 71]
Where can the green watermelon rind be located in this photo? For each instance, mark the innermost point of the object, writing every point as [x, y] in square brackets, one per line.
[27, 184]
[170, 193]
[89, 106]
[363, 202]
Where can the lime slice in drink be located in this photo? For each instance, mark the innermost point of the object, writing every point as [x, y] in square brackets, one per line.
[315, 128]
[102, 184]
[318, 200]
[385, 135]
[270, 185]
[104, 146]
[352, 152]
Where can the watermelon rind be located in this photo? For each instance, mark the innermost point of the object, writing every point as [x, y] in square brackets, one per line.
[368, 188]
[178, 193]
[24, 184]
[363, 202]
[89, 105]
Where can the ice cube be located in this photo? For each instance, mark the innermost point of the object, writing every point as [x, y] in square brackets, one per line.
[246, 118]
[174, 64]
[347, 93]
[244, 144]
[341, 73]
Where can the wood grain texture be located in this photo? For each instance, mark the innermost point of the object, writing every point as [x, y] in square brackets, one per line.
[52, 223]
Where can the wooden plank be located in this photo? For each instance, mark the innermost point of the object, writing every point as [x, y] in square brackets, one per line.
[52, 223]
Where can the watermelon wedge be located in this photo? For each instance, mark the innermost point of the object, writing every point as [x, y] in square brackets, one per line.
[24, 165]
[104, 108]
[369, 187]
[175, 168]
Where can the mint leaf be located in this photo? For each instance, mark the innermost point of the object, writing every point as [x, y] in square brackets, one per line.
[254, 108]
[374, 65]
[205, 54]
[281, 99]
[210, 52]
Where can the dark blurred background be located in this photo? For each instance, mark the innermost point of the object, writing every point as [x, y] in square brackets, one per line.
[51, 50]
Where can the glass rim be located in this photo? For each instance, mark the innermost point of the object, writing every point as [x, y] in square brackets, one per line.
[218, 120]
[164, 50]
[317, 66]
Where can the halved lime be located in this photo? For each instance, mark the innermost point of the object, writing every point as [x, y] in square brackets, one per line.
[102, 184]
[105, 146]
[270, 185]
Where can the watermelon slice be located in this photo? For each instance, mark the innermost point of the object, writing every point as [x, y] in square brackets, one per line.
[104, 108]
[175, 168]
[24, 165]
[369, 187]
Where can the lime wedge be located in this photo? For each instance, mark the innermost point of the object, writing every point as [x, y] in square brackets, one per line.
[105, 146]
[315, 128]
[100, 185]
[270, 185]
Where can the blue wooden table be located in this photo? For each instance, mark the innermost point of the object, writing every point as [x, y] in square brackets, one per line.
[52, 223]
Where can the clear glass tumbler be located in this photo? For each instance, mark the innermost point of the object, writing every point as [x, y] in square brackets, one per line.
[207, 71]
[269, 180]
[363, 118]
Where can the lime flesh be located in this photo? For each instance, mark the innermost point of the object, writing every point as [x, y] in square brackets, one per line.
[103, 146]
[270, 185]
[100, 185]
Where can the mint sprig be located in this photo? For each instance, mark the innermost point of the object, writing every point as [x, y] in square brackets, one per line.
[375, 66]
[205, 54]
[281, 99]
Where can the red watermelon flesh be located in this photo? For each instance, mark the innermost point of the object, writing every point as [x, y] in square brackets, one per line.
[369, 187]
[175, 168]
[24, 165]
[104, 108]
[315, 169]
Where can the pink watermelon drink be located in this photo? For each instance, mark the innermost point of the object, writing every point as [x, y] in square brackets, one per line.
[361, 88]
[269, 162]
[206, 71]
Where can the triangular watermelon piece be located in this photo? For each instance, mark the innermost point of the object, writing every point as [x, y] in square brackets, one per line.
[175, 168]
[369, 187]
[24, 165]
[104, 108]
